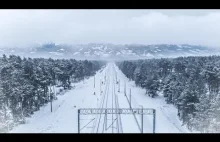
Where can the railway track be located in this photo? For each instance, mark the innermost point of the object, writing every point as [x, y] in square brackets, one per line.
[118, 116]
[109, 123]
[96, 123]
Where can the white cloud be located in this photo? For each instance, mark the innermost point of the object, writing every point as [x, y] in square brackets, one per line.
[21, 27]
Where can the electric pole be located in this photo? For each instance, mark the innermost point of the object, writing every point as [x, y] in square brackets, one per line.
[51, 108]
[78, 121]
[106, 119]
[154, 120]
[119, 85]
[130, 97]
[125, 89]
[100, 86]
[94, 81]
[22, 115]
[142, 120]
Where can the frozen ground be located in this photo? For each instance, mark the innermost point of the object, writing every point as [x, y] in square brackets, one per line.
[64, 118]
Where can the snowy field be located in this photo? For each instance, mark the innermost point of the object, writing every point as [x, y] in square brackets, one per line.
[64, 118]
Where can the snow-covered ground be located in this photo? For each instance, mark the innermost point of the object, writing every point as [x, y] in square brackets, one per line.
[167, 120]
[64, 118]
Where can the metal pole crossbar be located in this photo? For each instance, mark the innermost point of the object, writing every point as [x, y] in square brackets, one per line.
[140, 111]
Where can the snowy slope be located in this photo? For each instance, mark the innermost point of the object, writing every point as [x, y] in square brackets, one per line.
[64, 118]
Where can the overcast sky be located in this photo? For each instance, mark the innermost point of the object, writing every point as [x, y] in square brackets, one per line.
[24, 27]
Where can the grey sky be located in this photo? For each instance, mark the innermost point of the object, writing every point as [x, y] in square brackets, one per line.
[23, 27]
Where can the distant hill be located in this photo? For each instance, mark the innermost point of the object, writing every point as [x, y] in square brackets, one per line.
[111, 51]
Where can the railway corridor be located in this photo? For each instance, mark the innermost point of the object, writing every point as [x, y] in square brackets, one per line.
[111, 97]
[104, 90]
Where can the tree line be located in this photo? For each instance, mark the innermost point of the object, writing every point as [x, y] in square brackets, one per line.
[191, 84]
[25, 84]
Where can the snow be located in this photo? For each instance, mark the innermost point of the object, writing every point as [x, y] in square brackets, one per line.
[123, 51]
[118, 53]
[97, 47]
[1, 50]
[61, 49]
[97, 53]
[193, 51]
[105, 48]
[179, 46]
[64, 117]
[56, 53]
[129, 51]
[167, 120]
[75, 53]
[86, 53]
[105, 55]
[148, 55]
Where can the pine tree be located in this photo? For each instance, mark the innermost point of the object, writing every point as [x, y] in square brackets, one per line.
[190, 83]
